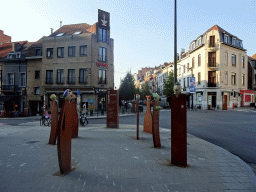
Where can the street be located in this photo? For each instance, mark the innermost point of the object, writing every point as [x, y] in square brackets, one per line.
[232, 130]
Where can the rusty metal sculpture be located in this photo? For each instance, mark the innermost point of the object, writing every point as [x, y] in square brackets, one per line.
[54, 120]
[75, 119]
[65, 133]
[112, 109]
[179, 130]
[147, 125]
[155, 127]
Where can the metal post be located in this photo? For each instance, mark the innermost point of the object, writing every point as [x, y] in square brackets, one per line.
[175, 43]
[137, 107]
[44, 105]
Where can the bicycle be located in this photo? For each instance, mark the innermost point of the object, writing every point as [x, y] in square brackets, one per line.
[45, 120]
[83, 119]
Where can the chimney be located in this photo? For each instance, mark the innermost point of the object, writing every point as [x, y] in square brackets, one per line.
[13, 46]
[51, 30]
[181, 53]
[60, 24]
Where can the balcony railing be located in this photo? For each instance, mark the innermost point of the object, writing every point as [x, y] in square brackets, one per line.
[60, 80]
[102, 81]
[10, 87]
[212, 62]
[212, 85]
[71, 80]
[49, 80]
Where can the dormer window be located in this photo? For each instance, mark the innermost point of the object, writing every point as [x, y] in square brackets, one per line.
[234, 41]
[225, 38]
[199, 41]
[59, 34]
[193, 45]
[77, 33]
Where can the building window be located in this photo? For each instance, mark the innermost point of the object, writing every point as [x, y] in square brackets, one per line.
[49, 52]
[37, 74]
[234, 60]
[199, 78]
[83, 75]
[102, 76]
[188, 66]
[226, 58]
[10, 80]
[199, 41]
[38, 52]
[242, 79]
[225, 38]
[193, 62]
[49, 76]
[102, 54]
[184, 69]
[188, 81]
[199, 60]
[36, 90]
[243, 61]
[226, 78]
[71, 76]
[23, 79]
[184, 82]
[102, 34]
[234, 41]
[212, 41]
[60, 52]
[71, 51]
[193, 45]
[60, 76]
[83, 50]
[233, 78]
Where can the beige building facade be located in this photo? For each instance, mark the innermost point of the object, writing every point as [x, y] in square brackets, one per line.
[217, 60]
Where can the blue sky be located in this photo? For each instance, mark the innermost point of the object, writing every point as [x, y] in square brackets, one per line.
[142, 29]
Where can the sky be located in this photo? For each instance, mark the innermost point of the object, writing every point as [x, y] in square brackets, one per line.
[143, 30]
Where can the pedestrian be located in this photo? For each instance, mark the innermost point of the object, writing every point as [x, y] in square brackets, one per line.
[84, 108]
[126, 106]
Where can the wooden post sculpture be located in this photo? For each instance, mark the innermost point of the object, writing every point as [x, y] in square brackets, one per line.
[147, 125]
[155, 127]
[65, 133]
[75, 119]
[137, 109]
[178, 128]
[54, 120]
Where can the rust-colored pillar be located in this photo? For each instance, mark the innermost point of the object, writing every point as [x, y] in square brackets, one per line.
[147, 124]
[54, 123]
[64, 138]
[137, 109]
[112, 109]
[75, 119]
[179, 130]
[155, 127]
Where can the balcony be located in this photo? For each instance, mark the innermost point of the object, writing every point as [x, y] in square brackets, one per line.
[212, 47]
[102, 81]
[212, 62]
[10, 88]
[60, 80]
[49, 80]
[212, 85]
[71, 80]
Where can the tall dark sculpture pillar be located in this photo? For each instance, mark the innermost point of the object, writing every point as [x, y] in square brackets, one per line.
[75, 119]
[147, 124]
[54, 121]
[112, 109]
[155, 121]
[179, 131]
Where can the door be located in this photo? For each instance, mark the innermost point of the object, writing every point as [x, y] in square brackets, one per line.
[213, 101]
[209, 102]
[224, 103]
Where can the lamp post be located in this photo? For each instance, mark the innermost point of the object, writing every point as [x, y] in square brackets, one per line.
[175, 43]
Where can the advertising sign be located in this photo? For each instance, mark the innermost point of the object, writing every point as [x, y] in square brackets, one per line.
[192, 84]
[103, 18]
[90, 103]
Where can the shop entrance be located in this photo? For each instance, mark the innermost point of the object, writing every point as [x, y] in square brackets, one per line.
[211, 100]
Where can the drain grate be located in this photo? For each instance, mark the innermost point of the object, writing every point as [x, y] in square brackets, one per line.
[32, 142]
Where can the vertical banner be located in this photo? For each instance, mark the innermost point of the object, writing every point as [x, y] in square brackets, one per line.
[112, 109]
[192, 84]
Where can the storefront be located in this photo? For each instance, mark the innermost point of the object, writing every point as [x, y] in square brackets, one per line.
[247, 98]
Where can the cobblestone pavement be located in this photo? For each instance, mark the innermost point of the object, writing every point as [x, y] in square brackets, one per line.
[112, 160]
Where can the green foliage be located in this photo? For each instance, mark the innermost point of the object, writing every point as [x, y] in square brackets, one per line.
[127, 88]
[168, 85]
[145, 90]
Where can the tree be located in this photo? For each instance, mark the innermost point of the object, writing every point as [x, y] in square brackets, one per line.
[127, 88]
[168, 85]
[145, 90]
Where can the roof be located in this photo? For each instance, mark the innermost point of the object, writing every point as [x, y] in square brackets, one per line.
[5, 48]
[218, 28]
[254, 56]
[70, 29]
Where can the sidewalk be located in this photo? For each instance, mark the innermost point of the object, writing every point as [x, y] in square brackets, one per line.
[112, 160]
